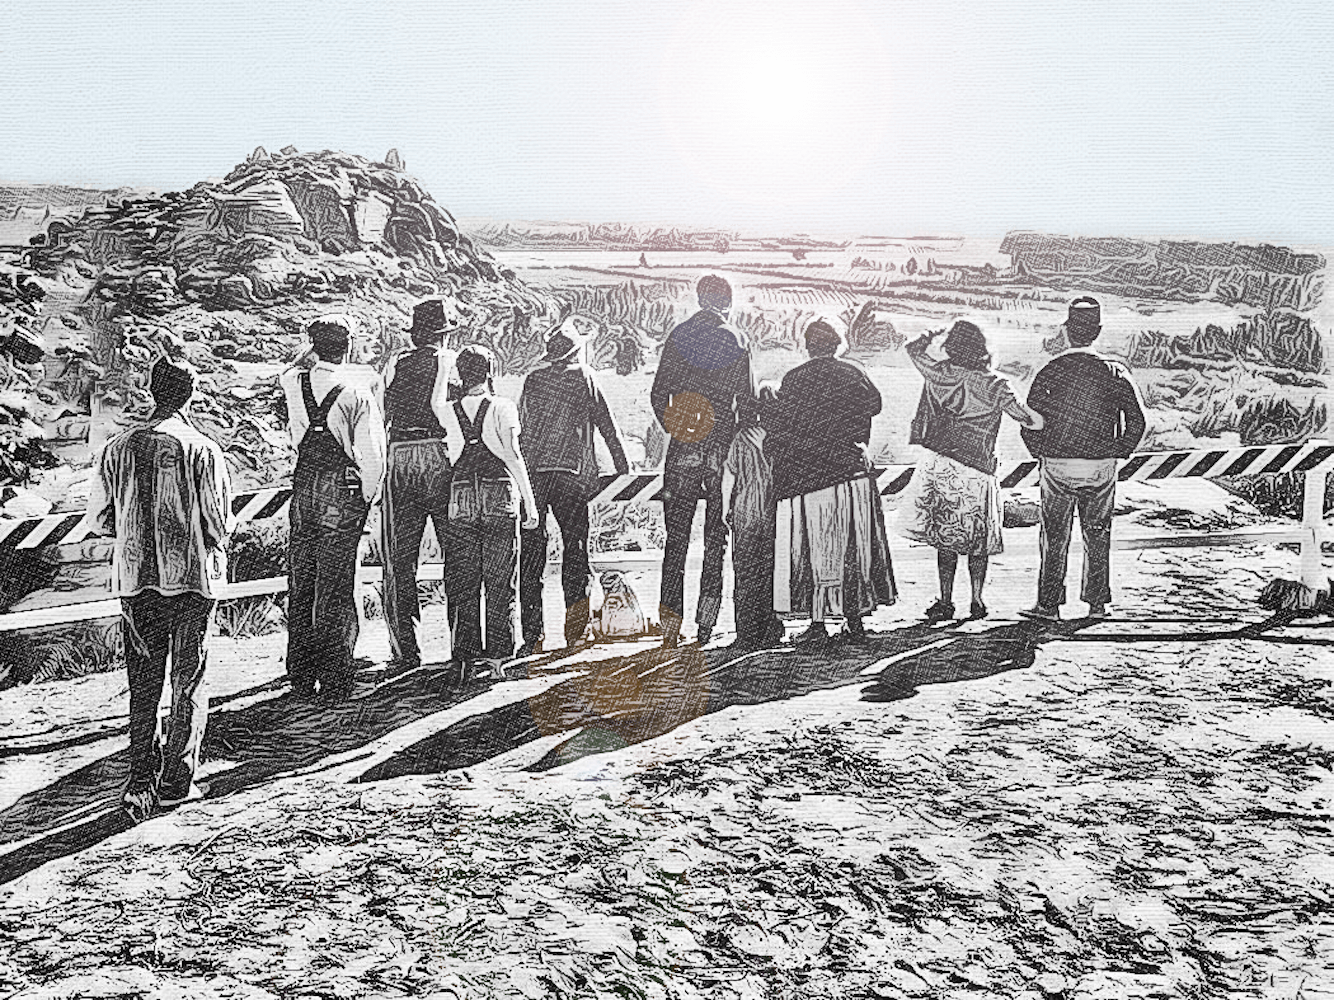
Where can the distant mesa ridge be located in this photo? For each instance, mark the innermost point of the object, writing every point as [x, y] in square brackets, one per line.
[1263, 276]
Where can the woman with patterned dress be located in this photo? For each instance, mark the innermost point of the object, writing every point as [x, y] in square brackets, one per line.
[954, 503]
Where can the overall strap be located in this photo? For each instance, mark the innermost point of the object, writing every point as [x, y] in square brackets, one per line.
[318, 414]
[472, 429]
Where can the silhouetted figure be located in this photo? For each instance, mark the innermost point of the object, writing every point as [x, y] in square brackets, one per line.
[1093, 417]
[164, 493]
[752, 509]
[832, 550]
[416, 487]
[560, 409]
[338, 431]
[953, 503]
[702, 372]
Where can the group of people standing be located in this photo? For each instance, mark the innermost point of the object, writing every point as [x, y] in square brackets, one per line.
[783, 472]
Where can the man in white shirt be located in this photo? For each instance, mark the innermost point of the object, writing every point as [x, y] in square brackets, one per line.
[338, 431]
[163, 492]
[488, 482]
[416, 488]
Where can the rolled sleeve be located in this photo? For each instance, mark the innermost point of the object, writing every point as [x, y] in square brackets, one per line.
[368, 442]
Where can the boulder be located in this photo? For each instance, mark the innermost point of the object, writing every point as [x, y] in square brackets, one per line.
[393, 161]
[265, 207]
[324, 204]
[370, 214]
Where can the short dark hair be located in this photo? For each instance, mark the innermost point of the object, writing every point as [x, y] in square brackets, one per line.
[822, 339]
[170, 385]
[476, 364]
[1081, 334]
[329, 340]
[966, 347]
[714, 292]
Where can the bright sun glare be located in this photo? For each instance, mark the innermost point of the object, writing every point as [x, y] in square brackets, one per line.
[777, 102]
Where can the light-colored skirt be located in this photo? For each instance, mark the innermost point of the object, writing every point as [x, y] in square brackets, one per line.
[828, 543]
[952, 507]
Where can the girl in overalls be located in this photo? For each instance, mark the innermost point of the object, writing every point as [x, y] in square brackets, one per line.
[489, 481]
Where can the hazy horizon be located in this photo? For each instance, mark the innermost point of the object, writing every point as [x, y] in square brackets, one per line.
[848, 118]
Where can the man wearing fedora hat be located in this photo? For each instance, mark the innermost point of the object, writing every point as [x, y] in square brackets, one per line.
[1092, 417]
[417, 387]
[163, 492]
[560, 408]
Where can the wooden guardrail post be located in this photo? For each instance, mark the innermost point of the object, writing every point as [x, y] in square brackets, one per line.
[1313, 529]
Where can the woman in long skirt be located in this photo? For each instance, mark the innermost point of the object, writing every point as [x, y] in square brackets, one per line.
[831, 548]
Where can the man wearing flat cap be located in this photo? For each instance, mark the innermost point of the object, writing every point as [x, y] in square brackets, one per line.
[338, 432]
[560, 408]
[1093, 417]
[163, 492]
[417, 389]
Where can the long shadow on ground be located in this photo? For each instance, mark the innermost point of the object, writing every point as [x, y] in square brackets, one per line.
[267, 739]
[612, 704]
[649, 694]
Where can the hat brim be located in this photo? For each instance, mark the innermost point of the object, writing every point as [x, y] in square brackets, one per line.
[571, 351]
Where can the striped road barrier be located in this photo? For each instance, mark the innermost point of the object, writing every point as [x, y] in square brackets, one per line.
[272, 501]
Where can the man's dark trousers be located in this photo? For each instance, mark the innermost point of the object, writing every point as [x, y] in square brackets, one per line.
[683, 488]
[483, 555]
[327, 516]
[566, 496]
[1091, 490]
[416, 488]
[157, 627]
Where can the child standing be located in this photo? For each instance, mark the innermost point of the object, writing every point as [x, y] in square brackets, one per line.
[751, 510]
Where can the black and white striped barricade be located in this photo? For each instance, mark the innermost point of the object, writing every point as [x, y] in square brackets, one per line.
[1313, 457]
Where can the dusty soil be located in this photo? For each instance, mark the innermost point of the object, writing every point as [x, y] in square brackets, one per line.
[1137, 808]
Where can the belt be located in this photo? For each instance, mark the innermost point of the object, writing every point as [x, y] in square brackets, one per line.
[398, 435]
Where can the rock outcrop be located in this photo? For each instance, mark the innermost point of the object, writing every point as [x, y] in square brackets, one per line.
[227, 274]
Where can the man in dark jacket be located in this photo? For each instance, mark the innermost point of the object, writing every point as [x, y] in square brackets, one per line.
[702, 372]
[559, 409]
[1092, 418]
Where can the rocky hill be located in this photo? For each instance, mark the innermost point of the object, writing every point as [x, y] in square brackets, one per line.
[227, 274]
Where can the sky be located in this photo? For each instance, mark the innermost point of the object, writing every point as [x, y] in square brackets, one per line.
[841, 117]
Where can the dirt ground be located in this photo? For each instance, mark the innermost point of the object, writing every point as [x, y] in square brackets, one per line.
[1137, 808]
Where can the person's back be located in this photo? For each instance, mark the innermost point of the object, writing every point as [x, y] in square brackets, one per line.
[822, 425]
[163, 492]
[560, 410]
[702, 371]
[1092, 417]
[1090, 407]
[703, 374]
[167, 514]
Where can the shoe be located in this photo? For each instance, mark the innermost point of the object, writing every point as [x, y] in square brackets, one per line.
[1039, 613]
[941, 611]
[196, 791]
[532, 647]
[139, 803]
[977, 612]
[1097, 612]
[703, 636]
[815, 635]
[853, 636]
